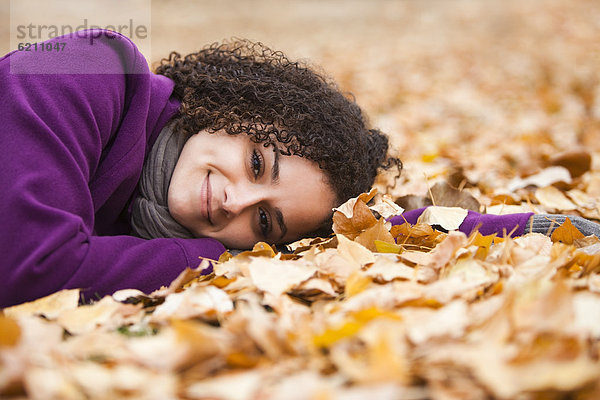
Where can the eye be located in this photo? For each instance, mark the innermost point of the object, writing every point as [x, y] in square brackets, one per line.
[264, 222]
[256, 163]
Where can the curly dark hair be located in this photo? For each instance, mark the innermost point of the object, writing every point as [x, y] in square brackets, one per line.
[244, 87]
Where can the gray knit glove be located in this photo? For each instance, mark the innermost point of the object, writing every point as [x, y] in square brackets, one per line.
[547, 223]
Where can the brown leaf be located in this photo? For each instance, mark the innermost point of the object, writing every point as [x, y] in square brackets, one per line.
[577, 161]
[412, 202]
[447, 196]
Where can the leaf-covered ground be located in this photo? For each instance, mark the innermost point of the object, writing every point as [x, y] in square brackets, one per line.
[493, 106]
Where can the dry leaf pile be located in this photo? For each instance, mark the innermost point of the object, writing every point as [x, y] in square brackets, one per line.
[378, 311]
[493, 107]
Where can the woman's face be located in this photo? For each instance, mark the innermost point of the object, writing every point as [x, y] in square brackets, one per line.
[239, 192]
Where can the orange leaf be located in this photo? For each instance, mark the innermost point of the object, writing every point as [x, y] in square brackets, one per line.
[376, 232]
[566, 233]
[9, 332]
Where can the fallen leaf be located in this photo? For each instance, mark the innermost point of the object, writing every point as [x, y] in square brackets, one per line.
[586, 307]
[386, 270]
[314, 288]
[553, 198]
[354, 252]
[232, 386]
[106, 314]
[276, 277]
[566, 233]
[577, 161]
[448, 321]
[348, 208]
[378, 232]
[331, 263]
[444, 252]
[50, 306]
[412, 202]
[386, 207]
[354, 323]
[197, 301]
[386, 247]
[356, 283]
[546, 177]
[9, 332]
[448, 218]
[445, 195]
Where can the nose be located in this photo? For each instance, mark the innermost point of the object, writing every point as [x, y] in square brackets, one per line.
[238, 197]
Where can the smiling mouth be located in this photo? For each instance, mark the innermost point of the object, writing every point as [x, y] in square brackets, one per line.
[206, 197]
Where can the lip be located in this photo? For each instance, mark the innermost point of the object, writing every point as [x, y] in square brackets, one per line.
[205, 199]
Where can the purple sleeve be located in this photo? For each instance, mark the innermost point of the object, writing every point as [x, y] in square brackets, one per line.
[54, 127]
[487, 224]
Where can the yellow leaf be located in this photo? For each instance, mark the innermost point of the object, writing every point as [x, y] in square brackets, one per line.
[480, 240]
[242, 360]
[385, 247]
[371, 313]
[260, 249]
[333, 335]
[483, 242]
[566, 233]
[352, 326]
[225, 257]
[356, 283]
[428, 158]
[423, 302]
[10, 332]
[221, 281]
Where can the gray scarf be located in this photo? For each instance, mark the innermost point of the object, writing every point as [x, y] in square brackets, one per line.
[150, 217]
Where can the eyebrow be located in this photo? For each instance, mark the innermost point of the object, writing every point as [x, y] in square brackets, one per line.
[280, 222]
[275, 180]
[275, 169]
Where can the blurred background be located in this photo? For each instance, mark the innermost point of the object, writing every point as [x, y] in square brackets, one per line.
[492, 88]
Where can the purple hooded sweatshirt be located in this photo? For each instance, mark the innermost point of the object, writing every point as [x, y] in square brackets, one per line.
[77, 122]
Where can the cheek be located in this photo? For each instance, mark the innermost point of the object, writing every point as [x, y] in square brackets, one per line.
[238, 233]
[174, 201]
[179, 193]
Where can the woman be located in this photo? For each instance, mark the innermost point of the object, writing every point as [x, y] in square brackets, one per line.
[231, 145]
